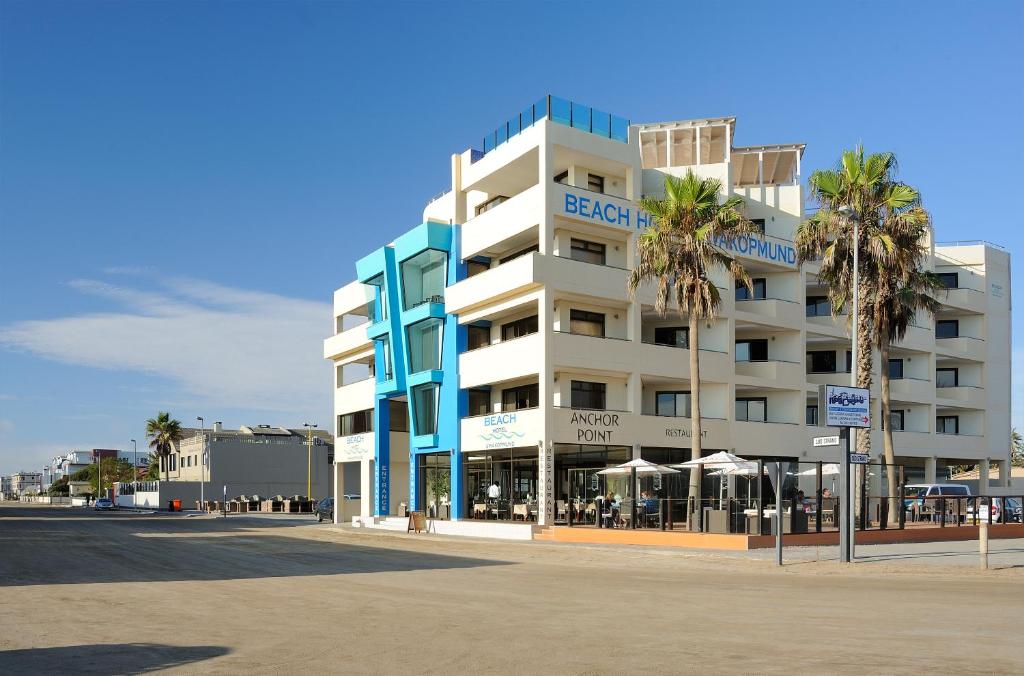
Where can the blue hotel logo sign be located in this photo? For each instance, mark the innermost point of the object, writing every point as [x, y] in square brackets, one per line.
[598, 211]
[499, 431]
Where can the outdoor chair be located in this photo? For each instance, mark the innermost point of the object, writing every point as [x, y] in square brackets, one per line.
[479, 510]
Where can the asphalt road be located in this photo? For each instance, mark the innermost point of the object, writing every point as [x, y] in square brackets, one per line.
[82, 592]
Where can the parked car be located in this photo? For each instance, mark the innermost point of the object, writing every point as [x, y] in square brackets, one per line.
[325, 510]
[924, 498]
[104, 504]
[993, 510]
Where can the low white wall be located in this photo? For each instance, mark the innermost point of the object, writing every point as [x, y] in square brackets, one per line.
[466, 528]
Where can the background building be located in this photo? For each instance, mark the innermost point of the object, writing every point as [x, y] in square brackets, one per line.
[22, 483]
[497, 342]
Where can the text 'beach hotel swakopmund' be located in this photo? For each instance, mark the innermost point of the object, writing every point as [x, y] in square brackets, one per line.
[495, 348]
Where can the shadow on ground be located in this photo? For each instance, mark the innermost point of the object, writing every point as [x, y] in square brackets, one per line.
[100, 549]
[106, 658]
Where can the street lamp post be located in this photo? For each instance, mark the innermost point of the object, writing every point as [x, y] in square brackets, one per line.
[847, 211]
[202, 460]
[309, 457]
[135, 460]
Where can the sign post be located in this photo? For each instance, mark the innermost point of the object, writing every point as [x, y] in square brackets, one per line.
[846, 408]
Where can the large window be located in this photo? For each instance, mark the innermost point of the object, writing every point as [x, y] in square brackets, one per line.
[424, 408]
[897, 420]
[755, 349]
[676, 336]
[423, 278]
[385, 373]
[479, 336]
[674, 404]
[425, 345]
[474, 268]
[947, 328]
[519, 328]
[479, 402]
[588, 395]
[490, 204]
[380, 300]
[359, 422]
[522, 252]
[947, 424]
[760, 289]
[399, 414]
[818, 306]
[822, 361]
[595, 182]
[811, 415]
[588, 252]
[759, 224]
[895, 369]
[752, 409]
[586, 323]
[950, 280]
[517, 398]
[947, 377]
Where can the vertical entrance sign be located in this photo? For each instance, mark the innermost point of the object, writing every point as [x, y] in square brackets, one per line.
[778, 477]
[847, 408]
[546, 499]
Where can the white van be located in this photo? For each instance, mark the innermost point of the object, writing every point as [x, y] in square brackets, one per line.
[923, 498]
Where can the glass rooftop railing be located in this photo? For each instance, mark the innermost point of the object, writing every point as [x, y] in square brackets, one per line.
[563, 111]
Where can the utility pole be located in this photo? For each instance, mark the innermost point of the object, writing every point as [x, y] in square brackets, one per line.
[309, 457]
[135, 461]
[202, 461]
[849, 519]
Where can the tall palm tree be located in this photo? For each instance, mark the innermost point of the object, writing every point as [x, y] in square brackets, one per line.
[900, 295]
[1016, 448]
[163, 432]
[678, 253]
[885, 208]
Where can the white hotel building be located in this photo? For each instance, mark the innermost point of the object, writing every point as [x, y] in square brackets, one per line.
[497, 341]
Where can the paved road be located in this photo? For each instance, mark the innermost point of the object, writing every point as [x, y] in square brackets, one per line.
[117, 593]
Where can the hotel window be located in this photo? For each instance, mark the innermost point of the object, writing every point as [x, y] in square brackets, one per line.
[950, 280]
[380, 300]
[479, 402]
[519, 328]
[947, 424]
[760, 289]
[385, 373]
[479, 336]
[423, 278]
[896, 420]
[517, 398]
[895, 369]
[588, 252]
[947, 377]
[359, 422]
[672, 404]
[474, 268]
[811, 415]
[947, 328]
[425, 345]
[398, 411]
[822, 361]
[849, 361]
[595, 183]
[424, 408]
[521, 252]
[676, 336]
[755, 349]
[818, 306]
[586, 323]
[588, 395]
[752, 409]
[759, 224]
[562, 178]
[490, 204]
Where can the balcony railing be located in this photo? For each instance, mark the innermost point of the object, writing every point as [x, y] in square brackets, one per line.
[588, 335]
[562, 111]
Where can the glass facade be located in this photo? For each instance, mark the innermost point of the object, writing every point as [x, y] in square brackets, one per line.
[425, 345]
[502, 484]
[424, 408]
[435, 473]
[423, 278]
[562, 111]
[379, 308]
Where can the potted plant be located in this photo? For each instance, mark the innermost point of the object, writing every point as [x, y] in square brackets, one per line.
[438, 486]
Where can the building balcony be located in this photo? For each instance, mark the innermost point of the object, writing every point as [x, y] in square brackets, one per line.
[670, 361]
[785, 374]
[514, 277]
[964, 298]
[515, 215]
[962, 396]
[961, 347]
[347, 342]
[357, 396]
[911, 389]
[502, 361]
[779, 311]
[574, 350]
[920, 338]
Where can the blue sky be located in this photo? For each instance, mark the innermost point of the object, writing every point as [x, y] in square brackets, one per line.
[183, 185]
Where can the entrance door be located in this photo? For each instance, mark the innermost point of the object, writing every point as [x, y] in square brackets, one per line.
[584, 486]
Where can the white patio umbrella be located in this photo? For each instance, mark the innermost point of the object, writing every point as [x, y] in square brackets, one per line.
[636, 467]
[719, 459]
[828, 469]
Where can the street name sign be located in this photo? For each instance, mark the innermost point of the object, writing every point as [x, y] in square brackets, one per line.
[859, 458]
[847, 406]
[826, 441]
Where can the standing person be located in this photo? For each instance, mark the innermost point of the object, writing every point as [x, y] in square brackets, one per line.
[494, 491]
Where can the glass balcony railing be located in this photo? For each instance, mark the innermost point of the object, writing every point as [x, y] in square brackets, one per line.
[563, 111]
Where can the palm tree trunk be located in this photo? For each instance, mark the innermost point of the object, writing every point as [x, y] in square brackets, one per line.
[695, 427]
[864, 357]
[890, 455]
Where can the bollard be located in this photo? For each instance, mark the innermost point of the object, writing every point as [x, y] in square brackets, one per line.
[983, 544]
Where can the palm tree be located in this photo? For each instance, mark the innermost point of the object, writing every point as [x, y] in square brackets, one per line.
[1016, 448]
[899, 296]
[678, 252]
[886, 209]
[163, 432]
